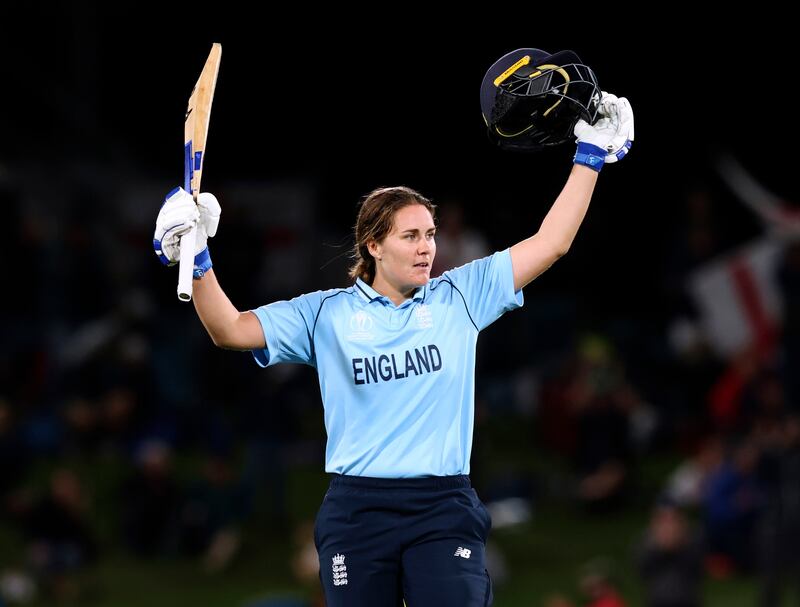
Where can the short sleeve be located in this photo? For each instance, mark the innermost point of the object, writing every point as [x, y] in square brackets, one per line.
[288, 330]
[487, 286]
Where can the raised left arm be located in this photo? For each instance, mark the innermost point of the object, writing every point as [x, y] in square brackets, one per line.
[534, 255]
[608, 140]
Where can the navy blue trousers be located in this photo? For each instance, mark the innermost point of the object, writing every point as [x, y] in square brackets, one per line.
[422, 540]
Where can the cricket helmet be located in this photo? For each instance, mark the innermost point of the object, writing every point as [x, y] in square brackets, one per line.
[531, 99]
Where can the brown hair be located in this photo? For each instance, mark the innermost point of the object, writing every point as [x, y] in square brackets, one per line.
[375, 220]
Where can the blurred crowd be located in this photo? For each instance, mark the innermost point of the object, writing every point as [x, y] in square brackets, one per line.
[119, 419]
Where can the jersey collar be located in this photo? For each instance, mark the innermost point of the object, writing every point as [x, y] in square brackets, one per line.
[369, 294]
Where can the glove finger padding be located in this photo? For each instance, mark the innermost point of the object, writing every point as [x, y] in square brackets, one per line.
[608, 104]
[210, 212]
[177, 216]
[622, 141]
[605, 127]
[626, 116]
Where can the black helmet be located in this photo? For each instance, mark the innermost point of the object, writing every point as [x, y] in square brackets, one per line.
[531, 99]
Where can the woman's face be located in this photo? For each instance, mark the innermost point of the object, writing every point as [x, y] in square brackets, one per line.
[404, 258]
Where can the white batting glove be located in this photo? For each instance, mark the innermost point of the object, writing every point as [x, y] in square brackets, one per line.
[610, 138]
[177, 216]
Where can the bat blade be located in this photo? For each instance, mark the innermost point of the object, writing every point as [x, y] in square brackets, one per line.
[195, 134]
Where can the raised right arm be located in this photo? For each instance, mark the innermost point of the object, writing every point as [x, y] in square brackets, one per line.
[228, 327]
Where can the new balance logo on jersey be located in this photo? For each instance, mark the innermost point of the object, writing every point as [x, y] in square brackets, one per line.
[339, 570]
[464, 553]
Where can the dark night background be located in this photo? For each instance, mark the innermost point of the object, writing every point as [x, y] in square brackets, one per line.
[348, 100]
[101, 367]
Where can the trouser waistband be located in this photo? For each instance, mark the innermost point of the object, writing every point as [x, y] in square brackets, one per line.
[460, 481]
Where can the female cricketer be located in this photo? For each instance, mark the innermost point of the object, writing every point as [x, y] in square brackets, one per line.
[395, 356]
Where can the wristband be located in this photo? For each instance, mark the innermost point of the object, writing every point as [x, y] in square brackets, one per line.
[590, 155]
[202, 264]
[161, 257]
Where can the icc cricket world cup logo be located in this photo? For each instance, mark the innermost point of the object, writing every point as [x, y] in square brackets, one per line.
[361, 327]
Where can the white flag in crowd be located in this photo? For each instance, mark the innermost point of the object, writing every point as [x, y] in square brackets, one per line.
[738, 296]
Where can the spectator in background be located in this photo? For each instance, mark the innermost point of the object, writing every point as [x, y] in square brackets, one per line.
[698, 368]
[591, 413]
[780, 528]
[13, 456]
[82, 431]
[596, 586]
[733, 502]
[150, 500]
[59, 540]
[268, 434]
[598, 395]
[746, 389]
[211, 514]
[696, 238]
[670, 559]
[686, 486]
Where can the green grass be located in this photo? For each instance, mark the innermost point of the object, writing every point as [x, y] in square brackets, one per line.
[544, 556]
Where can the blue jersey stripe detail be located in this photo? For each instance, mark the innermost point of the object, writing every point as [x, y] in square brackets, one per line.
[316, 318]
[466, 307]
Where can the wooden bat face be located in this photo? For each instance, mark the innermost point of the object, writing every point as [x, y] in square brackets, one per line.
[195, 132]
[198, 114]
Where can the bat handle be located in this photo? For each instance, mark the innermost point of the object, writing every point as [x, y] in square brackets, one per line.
[186, 265]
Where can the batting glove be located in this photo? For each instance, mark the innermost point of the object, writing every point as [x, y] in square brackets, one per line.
[610, 138]
[178, 215]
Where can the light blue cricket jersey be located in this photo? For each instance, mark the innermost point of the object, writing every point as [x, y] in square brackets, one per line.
[397, 382]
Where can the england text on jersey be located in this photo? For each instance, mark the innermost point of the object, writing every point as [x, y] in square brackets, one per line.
[372, 369]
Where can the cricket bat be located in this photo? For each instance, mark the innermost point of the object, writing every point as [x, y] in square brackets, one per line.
[195, 133]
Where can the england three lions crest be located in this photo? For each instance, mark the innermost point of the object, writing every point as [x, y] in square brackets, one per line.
[339, 570]
[423, 316]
